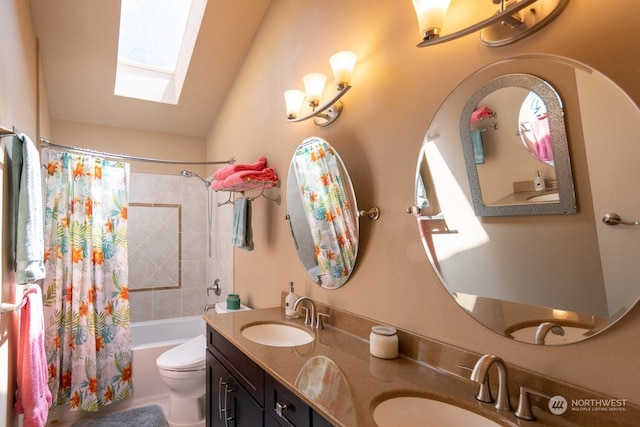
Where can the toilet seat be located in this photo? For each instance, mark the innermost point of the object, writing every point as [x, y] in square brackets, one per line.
[188, 356]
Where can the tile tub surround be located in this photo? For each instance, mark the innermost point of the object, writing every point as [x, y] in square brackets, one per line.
[425, 368]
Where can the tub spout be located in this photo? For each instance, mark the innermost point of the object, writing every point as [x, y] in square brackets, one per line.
[208, 307]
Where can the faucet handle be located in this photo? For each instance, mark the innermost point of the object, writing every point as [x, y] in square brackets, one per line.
[484, 392]
[307, 318]
[319, 321]
[524, 410]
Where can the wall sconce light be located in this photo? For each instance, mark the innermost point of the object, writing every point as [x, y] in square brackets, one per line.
[514, 20]
[342, 64]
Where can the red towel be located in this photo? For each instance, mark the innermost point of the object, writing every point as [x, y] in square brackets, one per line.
[227, 171]
[243, 177]
[480, 113]
[33, 397]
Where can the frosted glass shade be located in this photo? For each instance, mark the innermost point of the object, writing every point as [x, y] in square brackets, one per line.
[293, 100]
[342, 64]
[430, 15]
[314, 86]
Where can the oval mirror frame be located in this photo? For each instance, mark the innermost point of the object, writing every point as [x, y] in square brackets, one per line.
[564, 178]
[317, 197]
[592, 266]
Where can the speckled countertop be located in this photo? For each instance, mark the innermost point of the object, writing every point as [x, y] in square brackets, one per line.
[358, 381]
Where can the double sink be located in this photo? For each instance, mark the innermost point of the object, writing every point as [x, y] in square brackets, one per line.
[405, 411]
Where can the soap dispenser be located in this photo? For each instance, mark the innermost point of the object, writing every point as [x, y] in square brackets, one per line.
[289, 301]
[538, 182]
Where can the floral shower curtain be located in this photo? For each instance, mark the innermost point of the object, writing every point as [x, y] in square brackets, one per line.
[87, 336]
[329, 212]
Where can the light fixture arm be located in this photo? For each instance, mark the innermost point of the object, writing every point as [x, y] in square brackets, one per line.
[317, 111]
[499, 16]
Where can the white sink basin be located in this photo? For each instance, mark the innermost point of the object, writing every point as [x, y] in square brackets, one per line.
[410, 411]
[277, 335]
[547, 197]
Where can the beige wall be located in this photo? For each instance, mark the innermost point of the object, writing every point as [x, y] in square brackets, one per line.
[19, 108]
[397, 89]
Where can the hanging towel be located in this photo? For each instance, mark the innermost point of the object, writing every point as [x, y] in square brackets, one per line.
[242, 235]
[33, 397]
[29, 228]
[15, 165]
[478, 147]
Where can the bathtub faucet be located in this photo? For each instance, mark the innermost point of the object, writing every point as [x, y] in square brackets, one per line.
[208, 307]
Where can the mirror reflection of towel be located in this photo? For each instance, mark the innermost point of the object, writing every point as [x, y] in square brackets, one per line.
[478, 148]
[242, 234]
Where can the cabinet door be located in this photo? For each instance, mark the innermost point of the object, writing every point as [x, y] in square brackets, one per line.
[284, 406]
[228, 403]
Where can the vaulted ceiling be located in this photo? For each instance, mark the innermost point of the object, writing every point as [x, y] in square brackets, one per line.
[78, 42]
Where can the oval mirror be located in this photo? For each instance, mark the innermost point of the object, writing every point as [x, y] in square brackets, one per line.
[321, 208]
[542, 279]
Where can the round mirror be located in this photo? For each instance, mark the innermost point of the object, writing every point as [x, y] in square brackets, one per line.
[321, 208]
[543, 279]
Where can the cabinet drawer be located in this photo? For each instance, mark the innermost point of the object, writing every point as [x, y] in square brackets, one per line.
[284, 406]
[246, 372]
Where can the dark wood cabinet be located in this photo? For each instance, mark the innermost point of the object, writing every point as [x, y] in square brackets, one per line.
[228, 403]
[241, 394]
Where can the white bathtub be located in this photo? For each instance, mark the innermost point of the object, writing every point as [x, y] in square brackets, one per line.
[154, 333]
[149, 340]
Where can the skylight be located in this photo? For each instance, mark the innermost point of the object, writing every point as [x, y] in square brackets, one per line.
[156, 42]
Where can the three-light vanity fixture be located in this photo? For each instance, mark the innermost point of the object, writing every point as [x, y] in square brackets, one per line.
[514, 20]
[324, 114]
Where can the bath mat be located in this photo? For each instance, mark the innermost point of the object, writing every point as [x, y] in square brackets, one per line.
[145, 416]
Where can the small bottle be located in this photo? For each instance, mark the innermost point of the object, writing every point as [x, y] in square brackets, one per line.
[383, 342]
[538, 182]
[289, 300]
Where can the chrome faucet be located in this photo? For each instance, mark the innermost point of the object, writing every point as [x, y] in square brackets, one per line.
[208, 307]
[307, 321]
[480, 374]
[543, 330]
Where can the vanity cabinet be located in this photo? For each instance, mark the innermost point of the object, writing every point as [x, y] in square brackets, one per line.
[240, 393]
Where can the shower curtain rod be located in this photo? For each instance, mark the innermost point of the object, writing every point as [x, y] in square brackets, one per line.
[138, 159]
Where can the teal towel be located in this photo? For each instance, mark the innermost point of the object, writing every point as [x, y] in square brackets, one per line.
[478, 148]
[242, 234]
[30, 225]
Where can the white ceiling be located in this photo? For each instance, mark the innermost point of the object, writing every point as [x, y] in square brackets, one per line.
[78, 46]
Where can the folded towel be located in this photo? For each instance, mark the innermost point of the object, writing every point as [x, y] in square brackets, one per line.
[480, 113]
[33, 397]
[242, 234]
[243, 177]
[226, 171]
[29, 228]
[478, 147]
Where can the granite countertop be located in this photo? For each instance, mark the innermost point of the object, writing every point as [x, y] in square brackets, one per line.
[339, 379]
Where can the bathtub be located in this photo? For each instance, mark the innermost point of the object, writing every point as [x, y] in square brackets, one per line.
[149, 339]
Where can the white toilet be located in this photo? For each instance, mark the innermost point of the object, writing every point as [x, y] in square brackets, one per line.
[182, 369]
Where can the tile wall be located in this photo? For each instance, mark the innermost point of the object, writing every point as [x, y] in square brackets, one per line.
[199, 266]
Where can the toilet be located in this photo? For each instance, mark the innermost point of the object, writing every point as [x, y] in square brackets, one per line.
[183, 370]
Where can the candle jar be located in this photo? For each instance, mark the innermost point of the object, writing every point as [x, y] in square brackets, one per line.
[383, 342]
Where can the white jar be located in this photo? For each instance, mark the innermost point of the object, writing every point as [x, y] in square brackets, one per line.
[383, 342]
